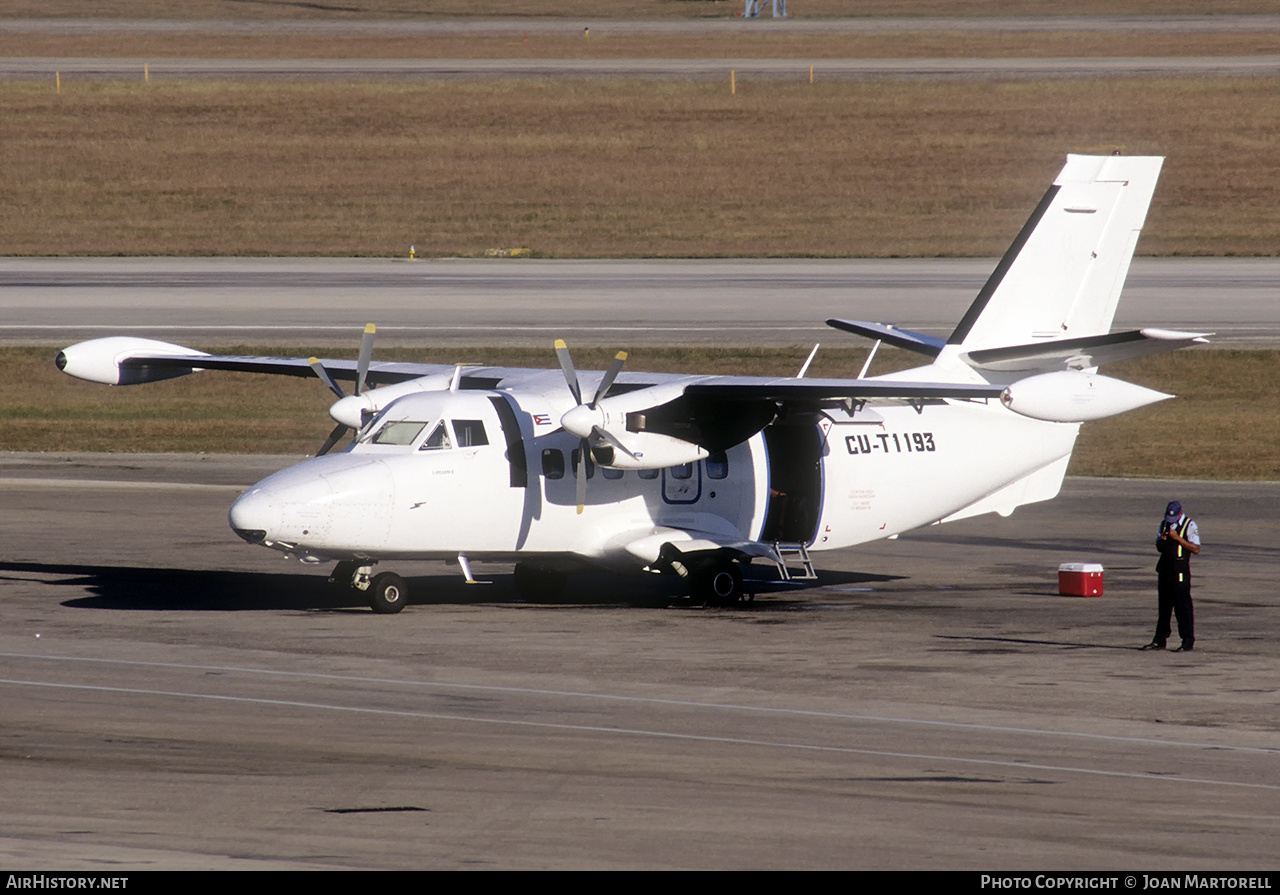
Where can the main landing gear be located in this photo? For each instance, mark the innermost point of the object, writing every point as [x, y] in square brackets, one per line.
[719, 584]
[714, 580]
[387, 592]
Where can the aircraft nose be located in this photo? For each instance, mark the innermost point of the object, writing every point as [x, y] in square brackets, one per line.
[254, 515]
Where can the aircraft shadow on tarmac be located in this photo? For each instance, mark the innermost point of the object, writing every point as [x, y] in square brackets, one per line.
[156, 590]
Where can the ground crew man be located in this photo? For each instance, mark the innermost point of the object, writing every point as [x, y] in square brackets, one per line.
[1179, 538]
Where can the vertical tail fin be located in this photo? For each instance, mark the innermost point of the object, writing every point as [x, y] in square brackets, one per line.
[1062, 276]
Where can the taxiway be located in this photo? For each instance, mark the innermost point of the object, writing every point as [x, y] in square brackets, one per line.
[327, 301]
[176, 699]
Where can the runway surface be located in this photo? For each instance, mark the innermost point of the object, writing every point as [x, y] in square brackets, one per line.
[26, 67]
[19, 67]
[175, 698]
[613, 303]
[732, 24]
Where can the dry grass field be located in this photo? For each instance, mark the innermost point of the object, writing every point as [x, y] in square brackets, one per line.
[590, 168]
[1223, 425]
[605, 43]
[594, 9]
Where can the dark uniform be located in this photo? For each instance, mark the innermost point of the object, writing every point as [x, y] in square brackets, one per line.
[1179, 538]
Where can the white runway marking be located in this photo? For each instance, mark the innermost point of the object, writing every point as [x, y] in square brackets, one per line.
[108, 485]
[573, 694]
[658, 734]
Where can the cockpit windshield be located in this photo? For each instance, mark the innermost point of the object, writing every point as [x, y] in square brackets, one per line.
[398, 432]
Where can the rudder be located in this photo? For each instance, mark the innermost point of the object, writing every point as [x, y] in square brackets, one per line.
[1063, 275]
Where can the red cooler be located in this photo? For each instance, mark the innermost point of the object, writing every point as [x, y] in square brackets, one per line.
[1080, 579]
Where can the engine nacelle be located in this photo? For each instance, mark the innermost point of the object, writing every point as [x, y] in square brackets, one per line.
[354, 410]
[98, 360]
[650, 451]
[615, 415]
[1072, 396]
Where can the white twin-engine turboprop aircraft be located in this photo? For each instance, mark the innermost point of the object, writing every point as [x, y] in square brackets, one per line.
[695, 475]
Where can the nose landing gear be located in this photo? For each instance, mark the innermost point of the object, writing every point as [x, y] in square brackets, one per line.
[387, 592]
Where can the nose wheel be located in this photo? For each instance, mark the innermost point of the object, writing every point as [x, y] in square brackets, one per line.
[387, 592]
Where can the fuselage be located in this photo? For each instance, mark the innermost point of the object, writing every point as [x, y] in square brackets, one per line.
[490, 474]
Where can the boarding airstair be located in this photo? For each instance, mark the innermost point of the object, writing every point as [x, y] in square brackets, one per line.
[794, 563]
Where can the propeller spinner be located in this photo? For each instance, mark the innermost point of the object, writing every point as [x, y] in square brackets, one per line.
[362, 375]
[587, 420]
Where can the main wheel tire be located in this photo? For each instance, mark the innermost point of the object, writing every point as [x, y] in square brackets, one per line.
[720, 585]
[388, 593]
[533, 583]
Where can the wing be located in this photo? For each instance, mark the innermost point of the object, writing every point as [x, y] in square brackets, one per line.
[682, 421]
[124, 360]
[819, 391]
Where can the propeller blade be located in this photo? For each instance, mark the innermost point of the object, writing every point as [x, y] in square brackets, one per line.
[607, 436]
[582, 475]
[609, 375]
[325, 377]
[366, 355]
[334, 436]
[570, 376]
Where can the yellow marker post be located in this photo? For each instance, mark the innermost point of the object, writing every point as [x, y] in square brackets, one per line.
[586, 32]
[811, 74]
[146, 71]
[733, 84]
[57, 76]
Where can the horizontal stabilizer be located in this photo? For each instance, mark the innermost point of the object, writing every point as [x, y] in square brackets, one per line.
[1082, 353]
[887, 332]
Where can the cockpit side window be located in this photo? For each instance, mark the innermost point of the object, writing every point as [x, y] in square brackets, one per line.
[398, 432]
[469, 433]
[438, 440]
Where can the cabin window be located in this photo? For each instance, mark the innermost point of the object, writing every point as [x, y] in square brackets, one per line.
[649, 474]
[438, 440]
[717, 466]
[552, 464]
[469, 433]
[610, 473]
[398, 432]
[683, 471]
